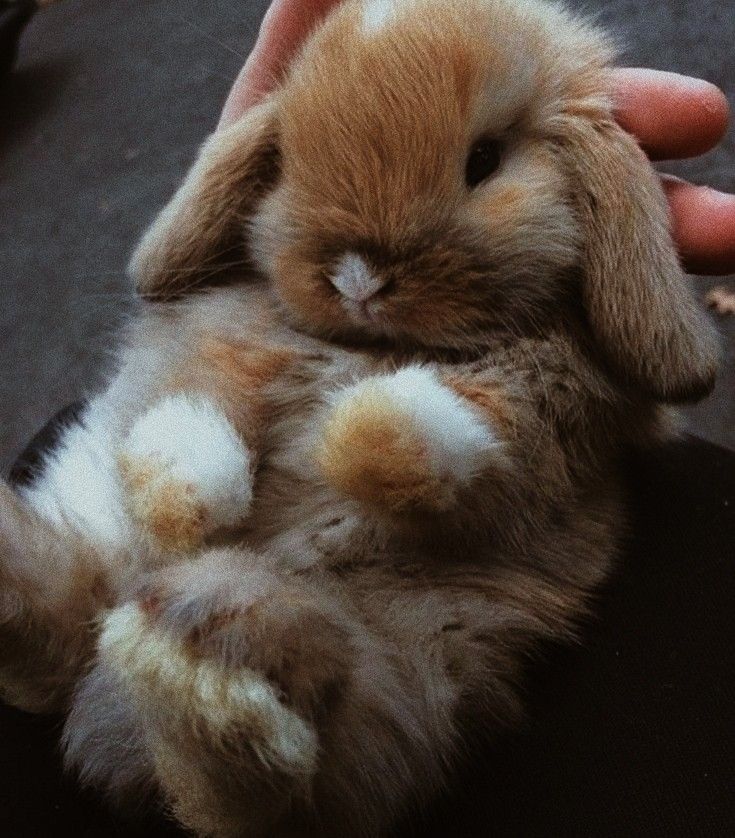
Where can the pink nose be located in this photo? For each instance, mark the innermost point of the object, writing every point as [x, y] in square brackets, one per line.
[355, 280]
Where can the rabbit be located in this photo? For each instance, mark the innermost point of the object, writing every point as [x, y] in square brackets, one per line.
[361, 452]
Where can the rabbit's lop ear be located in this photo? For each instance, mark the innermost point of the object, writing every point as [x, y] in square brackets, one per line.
[641, 307]
[202, 230]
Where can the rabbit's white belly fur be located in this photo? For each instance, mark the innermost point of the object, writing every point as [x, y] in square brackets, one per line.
[80, 486]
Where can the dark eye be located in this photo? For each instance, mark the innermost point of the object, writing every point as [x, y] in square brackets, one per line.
[482, 162]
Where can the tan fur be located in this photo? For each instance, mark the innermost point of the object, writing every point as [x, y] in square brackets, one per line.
[372, 454]
[310, 671]
[47, 607]
[235, 374]
[641, 311]
[167, 509]
[246, 366]
[201, 224]
[488, 398]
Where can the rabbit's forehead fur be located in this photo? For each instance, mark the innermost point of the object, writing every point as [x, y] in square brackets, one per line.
[375, 124]
[434, 74]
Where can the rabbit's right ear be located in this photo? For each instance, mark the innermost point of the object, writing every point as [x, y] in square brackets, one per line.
[202, 230]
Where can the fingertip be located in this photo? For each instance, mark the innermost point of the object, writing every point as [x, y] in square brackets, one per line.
[718, 108]
[714, 116]
[672, 115]
[703, 224]
[284, 28]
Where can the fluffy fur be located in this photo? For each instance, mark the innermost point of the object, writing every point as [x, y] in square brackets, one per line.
[186, 472]
[406, 442]
[336, 494]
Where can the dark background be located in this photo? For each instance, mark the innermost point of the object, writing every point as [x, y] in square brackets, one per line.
[104, 115]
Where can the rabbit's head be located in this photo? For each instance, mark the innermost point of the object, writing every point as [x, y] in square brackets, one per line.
[444, 169]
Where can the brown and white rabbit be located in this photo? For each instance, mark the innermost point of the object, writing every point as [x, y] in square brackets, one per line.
[361, 451]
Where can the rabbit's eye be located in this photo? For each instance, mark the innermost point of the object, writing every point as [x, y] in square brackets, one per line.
[482, 162]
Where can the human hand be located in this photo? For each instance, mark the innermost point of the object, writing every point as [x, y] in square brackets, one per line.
[285, 27]
[675, 117]
[672, 116]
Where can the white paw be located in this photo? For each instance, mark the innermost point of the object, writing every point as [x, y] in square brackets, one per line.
[406, 441]
[186, 470]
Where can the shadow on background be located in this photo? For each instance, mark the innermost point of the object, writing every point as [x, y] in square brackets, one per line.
[14, 17]
[25, 95]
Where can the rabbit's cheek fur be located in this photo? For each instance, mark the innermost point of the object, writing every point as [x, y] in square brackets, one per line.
[525, 216]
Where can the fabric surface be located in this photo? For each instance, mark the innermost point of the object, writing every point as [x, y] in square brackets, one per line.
[629, 733]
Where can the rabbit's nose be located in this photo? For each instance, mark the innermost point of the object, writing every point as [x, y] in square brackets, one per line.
[355, 280]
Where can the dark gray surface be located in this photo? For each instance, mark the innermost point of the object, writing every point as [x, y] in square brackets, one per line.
[102, 118]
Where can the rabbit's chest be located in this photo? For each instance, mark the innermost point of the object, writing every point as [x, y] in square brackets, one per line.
[290, 389]
[292, 502]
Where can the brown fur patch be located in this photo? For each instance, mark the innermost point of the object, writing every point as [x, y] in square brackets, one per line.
[167, 509]
[370, 452]
[234, 374]
[511, 197]
[246, 366]
[489, 398]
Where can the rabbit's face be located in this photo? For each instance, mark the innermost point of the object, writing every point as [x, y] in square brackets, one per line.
[433, 171]
[421, 196]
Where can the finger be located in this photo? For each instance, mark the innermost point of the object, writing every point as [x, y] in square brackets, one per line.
[703, 226]
[672, 116]
[285, 27]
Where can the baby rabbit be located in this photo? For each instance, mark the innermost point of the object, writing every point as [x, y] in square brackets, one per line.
[361, 451]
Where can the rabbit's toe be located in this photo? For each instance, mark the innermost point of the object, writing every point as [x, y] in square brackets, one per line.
[233, 671]
[230, 757]
[221, 609]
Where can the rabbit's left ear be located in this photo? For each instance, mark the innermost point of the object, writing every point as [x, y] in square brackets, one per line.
[640, 305]
[202, 230]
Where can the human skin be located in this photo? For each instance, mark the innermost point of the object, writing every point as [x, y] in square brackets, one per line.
[673, 117]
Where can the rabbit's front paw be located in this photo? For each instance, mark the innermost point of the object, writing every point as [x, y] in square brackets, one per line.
[405, 442]
[186, 471]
